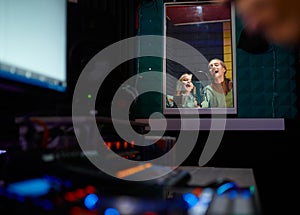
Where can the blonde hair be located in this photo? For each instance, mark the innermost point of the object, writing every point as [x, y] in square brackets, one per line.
[185, 75]
[179, 87]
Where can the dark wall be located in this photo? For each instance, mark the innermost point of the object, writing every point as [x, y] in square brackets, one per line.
[92, 26]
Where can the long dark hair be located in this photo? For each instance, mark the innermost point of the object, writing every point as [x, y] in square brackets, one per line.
[227, 83]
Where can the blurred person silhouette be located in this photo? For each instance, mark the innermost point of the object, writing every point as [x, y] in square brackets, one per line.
[276, 20]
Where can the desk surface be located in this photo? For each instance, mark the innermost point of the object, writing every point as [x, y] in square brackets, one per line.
[202, 176]
[243, 177]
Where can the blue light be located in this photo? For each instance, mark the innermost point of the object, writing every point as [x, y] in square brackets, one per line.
[68, 184]
[225, 187]
[2, 151]
[91, 201]
[31, 188]
[203, 203]
[47, 204]
[191, 199]
[246, 194]
[111, 211]
[20, 198]
[233, 194]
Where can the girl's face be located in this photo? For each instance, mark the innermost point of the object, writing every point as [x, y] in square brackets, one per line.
[216, 69]
[187, 82]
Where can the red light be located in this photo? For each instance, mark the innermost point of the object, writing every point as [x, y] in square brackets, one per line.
[125, 145]
[150, 213]
[81, 211]
[90, 189]
[132, 144]
[80, 193]
[108, 144]
[70, 197]
[197, 191]
[118, 145]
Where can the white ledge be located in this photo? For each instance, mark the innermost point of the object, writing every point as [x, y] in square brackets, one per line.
[215, 124]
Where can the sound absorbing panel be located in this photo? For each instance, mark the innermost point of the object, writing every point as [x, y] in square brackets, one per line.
[266, 85]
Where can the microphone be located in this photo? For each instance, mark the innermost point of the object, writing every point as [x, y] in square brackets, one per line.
[203, 77]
